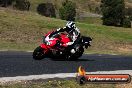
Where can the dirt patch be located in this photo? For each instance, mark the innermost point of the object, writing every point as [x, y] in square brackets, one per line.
[128, 85]
[125, 48]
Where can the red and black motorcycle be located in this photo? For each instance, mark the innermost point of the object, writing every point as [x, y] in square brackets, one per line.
[56, 47]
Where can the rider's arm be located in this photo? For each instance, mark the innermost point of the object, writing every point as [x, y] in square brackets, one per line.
[77, 30]
[56, 32]
[61, 29]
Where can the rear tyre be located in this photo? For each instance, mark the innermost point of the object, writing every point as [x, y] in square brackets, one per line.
[68, 57]
[78, 54]
[38, 53]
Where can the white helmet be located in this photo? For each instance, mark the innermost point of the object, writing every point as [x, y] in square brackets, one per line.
[70, 25]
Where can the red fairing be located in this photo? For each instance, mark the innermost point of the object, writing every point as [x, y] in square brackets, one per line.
[43, 46]
[51, 43]
[64, 39]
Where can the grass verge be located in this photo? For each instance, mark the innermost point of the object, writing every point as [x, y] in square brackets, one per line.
[63, 83]
[23, 31]
[60, 83]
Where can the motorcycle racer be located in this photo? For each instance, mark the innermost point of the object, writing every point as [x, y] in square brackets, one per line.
[71, 29]
[58, 44]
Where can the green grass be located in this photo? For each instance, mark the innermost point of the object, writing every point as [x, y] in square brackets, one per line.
[23, 31]
[91, 20]
[56, 84]
[60, 83]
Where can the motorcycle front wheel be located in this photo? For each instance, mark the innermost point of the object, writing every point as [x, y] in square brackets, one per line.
[38, 53]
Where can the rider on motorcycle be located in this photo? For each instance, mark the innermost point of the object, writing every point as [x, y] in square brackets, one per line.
[72, 30]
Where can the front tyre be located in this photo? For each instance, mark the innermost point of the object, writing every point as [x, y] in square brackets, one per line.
[38, 53]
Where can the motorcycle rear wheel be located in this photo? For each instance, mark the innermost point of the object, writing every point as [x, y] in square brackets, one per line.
[78, 54]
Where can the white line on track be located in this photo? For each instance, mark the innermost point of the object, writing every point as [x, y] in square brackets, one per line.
[58, 75]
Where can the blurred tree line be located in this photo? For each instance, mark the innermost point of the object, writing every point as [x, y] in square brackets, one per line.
[66, 12]
[113, 11]
[46, 9]
[16, 4]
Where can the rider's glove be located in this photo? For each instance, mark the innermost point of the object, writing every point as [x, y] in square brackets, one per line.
[69, 43]
[58, 29]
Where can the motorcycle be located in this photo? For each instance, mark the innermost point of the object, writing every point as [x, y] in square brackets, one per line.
[56, 47]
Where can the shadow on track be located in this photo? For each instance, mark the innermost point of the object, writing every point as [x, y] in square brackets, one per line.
[60, 59]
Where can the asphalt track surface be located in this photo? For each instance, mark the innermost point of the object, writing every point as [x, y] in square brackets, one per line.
[14, 63]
